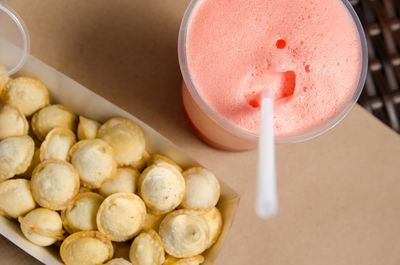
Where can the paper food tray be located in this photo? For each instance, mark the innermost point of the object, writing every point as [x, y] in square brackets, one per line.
[84, 102]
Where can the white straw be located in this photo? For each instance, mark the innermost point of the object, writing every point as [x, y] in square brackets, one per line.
[266, 202]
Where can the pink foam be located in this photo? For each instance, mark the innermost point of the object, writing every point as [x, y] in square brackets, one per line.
[236, 49]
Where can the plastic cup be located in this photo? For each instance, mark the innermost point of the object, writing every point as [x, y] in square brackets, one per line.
[12, 31]
[218, 132]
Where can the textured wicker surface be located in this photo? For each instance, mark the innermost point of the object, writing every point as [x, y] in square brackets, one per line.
[381, 95]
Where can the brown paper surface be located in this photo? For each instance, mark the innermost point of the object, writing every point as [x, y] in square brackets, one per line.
[339, 199]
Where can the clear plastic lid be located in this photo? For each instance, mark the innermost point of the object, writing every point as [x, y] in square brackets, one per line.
[12, 31]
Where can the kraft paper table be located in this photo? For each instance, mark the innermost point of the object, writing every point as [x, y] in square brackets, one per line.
[339, 194]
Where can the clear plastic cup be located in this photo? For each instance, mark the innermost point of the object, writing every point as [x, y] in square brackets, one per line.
[218, 132]
[12, 31]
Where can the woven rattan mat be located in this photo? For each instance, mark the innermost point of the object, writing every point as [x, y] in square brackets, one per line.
[381, 95]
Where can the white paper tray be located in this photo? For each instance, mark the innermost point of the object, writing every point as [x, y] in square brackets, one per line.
[84, 102]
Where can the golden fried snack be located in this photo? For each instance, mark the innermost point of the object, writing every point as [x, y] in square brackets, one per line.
[51, 117]
[15, 155]
[169, 260]
[156, 159]
[16, 198]
[31, 134]
[42, 226]
[81, 214]
[127, 139]
[152, 221]
[35, 161]
[118, 261]
[95, 162]
[124, 181]
[3, 79]
[28, 94]
[121, 216]
[84, 189]
[55, 184]
[196, 260]
[57, 143]
[214, 220]
[161, 187]
[141, 164]
[86, 248]
[184, 233]
[202, 188]
[12, 122]
[147, 249]
[87, 128]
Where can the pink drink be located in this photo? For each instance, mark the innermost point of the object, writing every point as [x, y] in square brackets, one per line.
[308, 53]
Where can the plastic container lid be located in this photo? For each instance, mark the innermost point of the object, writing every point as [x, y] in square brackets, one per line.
[12, 31]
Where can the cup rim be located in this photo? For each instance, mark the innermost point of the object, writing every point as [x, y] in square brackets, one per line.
[242, 133]
[24, 34]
